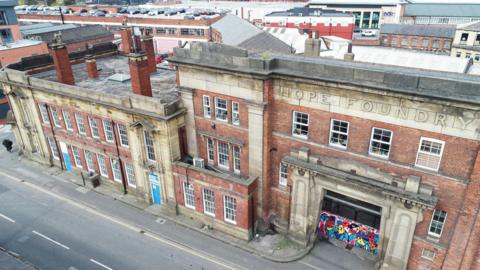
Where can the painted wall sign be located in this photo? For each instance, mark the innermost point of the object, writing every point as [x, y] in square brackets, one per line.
[349, 231]
[434, 117]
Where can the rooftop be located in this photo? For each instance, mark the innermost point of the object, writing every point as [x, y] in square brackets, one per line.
[71, 33]
[20, 44]
[444, 31]
[248, 36]
[473, 26]
[309, 12]
[40, 28]
[163, 81]
[355, 2]
[405, 80]
[442, 10]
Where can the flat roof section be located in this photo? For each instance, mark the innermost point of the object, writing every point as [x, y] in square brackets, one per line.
[163, 81]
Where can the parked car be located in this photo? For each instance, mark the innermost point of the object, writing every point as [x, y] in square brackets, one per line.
[368, 33]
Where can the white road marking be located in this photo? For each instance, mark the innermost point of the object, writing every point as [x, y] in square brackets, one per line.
[311, 266]
[7, 218]
[180, 246]
[101, 264]
[50, 239]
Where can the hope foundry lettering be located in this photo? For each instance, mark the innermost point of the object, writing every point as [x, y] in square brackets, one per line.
[369, 106]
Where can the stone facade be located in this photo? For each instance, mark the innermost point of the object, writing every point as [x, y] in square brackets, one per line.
[418, 109]
[100, 113]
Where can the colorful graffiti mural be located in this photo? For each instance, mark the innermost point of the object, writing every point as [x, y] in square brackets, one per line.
[349, 231]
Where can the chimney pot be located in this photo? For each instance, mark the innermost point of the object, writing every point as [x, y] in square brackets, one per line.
[140, 74]
[127, 43]
[91, 64]
[62, 62]
[147, 47]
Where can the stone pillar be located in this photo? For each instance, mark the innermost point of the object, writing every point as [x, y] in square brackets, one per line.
[255, 150]
[147, 47]
[400, 238]
[140, 74]
[187, 99]
[298, 227]
[91, 65]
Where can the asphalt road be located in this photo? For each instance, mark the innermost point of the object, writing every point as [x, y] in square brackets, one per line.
[54, 224]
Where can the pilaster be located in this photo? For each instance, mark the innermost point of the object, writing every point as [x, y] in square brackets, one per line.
[186, 94]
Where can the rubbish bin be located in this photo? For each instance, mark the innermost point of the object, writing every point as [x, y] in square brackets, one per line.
[93, 178]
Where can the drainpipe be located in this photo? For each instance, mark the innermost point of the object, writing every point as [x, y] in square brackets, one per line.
[54, 138]
[124, 178]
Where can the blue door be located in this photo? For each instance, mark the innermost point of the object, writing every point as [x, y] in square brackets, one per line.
[155, 187]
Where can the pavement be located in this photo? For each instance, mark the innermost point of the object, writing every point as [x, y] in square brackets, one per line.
[59, 224]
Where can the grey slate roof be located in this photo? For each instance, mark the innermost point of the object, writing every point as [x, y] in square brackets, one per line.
[471, 27]
[443, 10]
[443, 31]
[238, 32]
[309, 12]
[43, 28]
[77, 34]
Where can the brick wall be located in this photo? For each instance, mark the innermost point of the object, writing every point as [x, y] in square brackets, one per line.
[387, 40]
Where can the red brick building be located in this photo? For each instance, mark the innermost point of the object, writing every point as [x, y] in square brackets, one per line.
[375, 157]
[316, 22]
[433, 38]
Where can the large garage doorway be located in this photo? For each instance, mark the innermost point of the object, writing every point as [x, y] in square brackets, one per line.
[355, 222]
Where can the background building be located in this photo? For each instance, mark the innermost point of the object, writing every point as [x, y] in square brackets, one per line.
[467, 41]
[76, 38]
[369, 14]
[428, 38]
[441, 13]
[316, 22]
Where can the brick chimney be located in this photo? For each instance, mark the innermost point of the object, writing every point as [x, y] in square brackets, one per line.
[91, 64]
[127, 42]
[140, 74]
[147, 47]
[61, 61]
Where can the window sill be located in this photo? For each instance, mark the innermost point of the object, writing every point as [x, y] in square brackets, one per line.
[300, 136]
[230, 222]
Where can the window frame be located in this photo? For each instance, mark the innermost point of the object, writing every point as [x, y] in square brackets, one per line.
[44, 113]
[107, 131]
[234, 200]
[102, 157]
[129, 167]
[282, 178]
[190, 187]
[430, 233]
[207, 108]
[149, 146]
[217, 109]
[339, 132]
[118, 180]
[124, 142]
[53, 148]
[236, 160]
[440, 155]
[212, 203]
[68, 123]
[381, 142]
[56, 117]
[94, 127]
[80, 124]
[220, 165]
[236, 113]
[87, 154]
[210, 151]
[294, 122]
[77, 158]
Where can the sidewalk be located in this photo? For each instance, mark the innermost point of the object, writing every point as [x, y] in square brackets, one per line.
[272, 247]
[11, 261]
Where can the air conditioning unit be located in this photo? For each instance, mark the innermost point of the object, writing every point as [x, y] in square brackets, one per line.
[199, 162]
